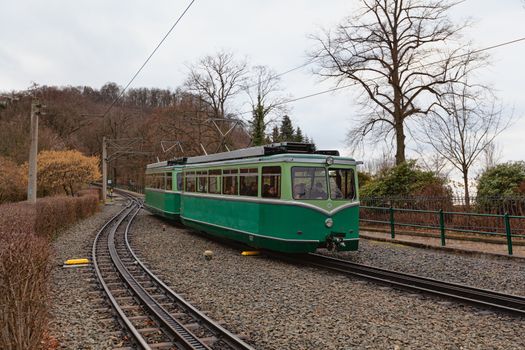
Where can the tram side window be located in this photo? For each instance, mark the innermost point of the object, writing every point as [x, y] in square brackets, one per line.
[169, 181]
[271, 182]
[249, 182]
[161, 181]
[202, 181]
[155, 181]
[214, 185]
[342, 184]
[309, 183]
[229, 181]
[158, 181]
[150, 180]
[179, 181]
[190, 181]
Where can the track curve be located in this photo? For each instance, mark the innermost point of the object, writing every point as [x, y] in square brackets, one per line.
[153, 315]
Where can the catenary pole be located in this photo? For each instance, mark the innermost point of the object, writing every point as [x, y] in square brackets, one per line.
[104, 169]
[33, 151]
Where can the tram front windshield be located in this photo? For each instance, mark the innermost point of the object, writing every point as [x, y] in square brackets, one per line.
[342, 184]
[309, 183]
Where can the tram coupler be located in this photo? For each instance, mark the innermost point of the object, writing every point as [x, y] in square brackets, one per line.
[335, 241]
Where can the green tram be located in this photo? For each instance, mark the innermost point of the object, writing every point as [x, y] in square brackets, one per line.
[163, 189]
[284, 197]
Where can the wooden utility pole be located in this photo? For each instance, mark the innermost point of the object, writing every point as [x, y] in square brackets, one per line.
[33, 151]
[104, 169]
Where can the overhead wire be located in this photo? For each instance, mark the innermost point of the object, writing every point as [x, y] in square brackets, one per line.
[355, 83]
[148, 59]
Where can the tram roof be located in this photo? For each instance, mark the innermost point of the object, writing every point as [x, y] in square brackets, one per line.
[251, 152]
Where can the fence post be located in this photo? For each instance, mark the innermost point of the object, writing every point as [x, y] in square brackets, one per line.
[442, 226]
[508, 232]
[392, 224]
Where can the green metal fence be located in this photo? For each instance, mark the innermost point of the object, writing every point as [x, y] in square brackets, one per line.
[443, 222]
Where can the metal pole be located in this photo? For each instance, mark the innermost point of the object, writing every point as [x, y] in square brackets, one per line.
[442, 226]
[104, 169]
[508, 232]
[33, 152]
[392, 224]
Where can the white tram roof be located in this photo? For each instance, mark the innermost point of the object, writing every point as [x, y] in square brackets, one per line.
[251, 152]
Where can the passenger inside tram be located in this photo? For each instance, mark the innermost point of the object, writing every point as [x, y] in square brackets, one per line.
[299, 191]
[318, 191]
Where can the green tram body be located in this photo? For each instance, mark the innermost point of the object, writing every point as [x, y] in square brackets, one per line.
[261, 218]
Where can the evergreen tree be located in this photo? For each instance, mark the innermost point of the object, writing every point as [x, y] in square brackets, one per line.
[276, 136]
[286, 129]
[258, 126]
[299, 135]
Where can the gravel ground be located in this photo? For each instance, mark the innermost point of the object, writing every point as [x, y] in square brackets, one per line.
[280, 306]
[481, 271]
[75, 318]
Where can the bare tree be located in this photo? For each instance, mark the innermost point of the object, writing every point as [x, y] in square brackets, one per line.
[216, 79]
[433, 162]
[491, 155]
[468, 121]
[266, 99]
[380, 164]
[399, 53]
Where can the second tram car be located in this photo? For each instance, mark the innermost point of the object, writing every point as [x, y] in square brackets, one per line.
[284, 197]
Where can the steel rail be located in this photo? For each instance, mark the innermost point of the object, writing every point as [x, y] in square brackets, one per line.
[127, 323]
[181, 334]
[220, 332]
[481, 297]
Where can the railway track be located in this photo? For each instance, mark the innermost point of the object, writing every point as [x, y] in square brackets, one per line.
[463, 293]
[479, 297]
[154, 316]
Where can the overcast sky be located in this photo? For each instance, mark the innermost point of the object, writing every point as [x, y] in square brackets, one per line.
[93, 42]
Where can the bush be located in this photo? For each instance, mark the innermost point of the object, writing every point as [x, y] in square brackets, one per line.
[500, 186]
[55, 213]
[13, 181]
[65, 172]
[24, 275]
[363, 179]
[506, 179]
[25, 231]
[17, 217]
[406, 179]
[96, 191]
[49, 215]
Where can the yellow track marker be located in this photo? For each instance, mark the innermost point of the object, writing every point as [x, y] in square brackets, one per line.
[250, 253]
[76, 261]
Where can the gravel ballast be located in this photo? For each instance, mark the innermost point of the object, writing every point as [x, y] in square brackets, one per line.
[500, 274]
[76, 306]
[281, 306]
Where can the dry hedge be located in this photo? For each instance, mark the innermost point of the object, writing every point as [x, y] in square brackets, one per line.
[24, 275]
[25, 255]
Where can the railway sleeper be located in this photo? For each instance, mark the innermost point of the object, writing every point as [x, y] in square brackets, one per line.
[164, 345]
[192, 326]
[150, 330]
[209, 340]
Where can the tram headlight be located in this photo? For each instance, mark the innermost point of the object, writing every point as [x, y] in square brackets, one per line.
[329, 160]
[329, 223]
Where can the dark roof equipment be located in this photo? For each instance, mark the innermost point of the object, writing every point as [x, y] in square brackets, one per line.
[257, 151]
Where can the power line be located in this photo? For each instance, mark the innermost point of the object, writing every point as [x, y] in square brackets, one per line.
[147, 59]
[310, 61]
[355, 83]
